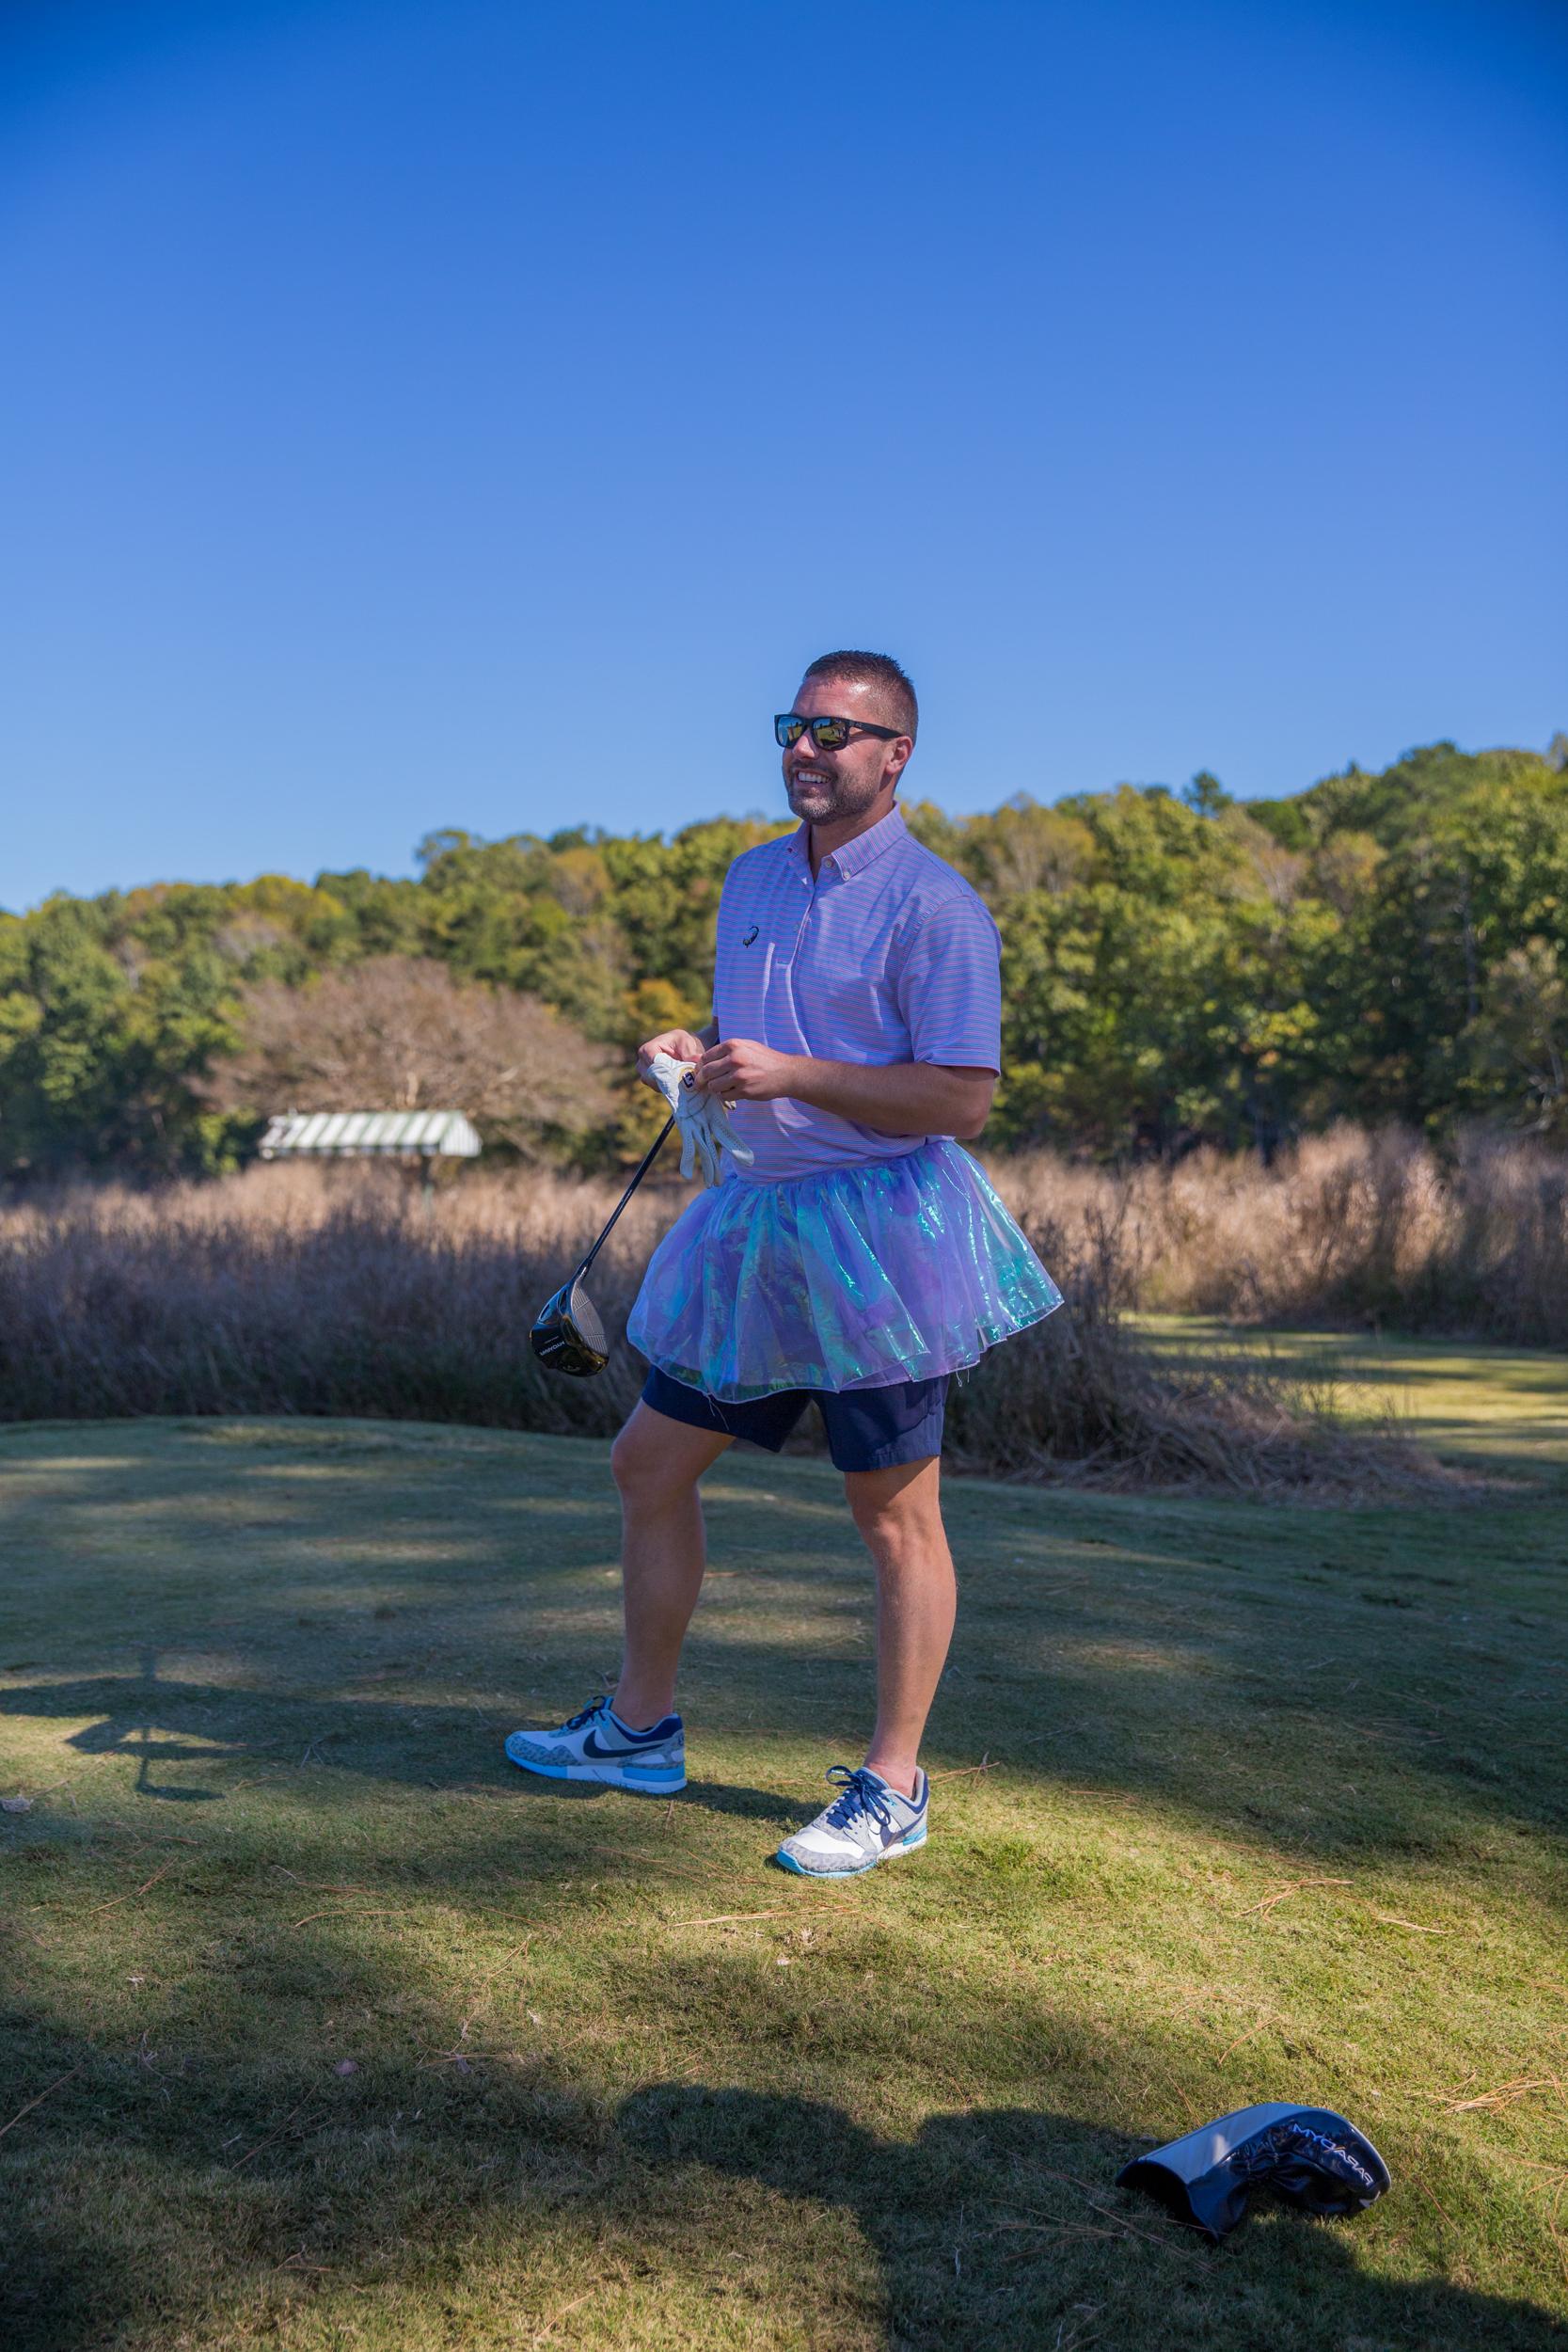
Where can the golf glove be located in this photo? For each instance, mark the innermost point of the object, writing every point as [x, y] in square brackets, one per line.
[700, 1120]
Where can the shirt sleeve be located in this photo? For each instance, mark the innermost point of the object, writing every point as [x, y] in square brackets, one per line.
[950, 987]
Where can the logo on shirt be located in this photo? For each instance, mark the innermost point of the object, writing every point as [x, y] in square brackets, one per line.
[749, 936]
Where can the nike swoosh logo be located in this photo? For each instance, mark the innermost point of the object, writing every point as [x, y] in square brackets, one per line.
[591, 1747]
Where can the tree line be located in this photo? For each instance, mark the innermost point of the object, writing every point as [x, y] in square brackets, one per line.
[1178, 968]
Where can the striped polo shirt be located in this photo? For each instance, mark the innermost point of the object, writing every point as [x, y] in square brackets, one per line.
[888, 956]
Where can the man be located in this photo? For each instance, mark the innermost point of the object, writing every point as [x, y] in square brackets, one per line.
[859, 1259]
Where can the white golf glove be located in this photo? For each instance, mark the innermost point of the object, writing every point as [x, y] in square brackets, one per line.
[700, 1120]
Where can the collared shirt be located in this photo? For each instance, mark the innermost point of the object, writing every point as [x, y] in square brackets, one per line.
[888, 956]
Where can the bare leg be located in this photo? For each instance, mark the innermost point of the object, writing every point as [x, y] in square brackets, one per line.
[898, 1513]
[656, 1463]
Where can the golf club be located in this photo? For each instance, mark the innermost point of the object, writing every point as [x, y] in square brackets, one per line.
[567, 1334]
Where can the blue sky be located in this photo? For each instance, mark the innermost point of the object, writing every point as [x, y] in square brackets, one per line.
[476, 413]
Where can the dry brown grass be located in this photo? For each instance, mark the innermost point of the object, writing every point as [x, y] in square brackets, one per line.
[1351, 1228]
[1076, 1400]
[311, 1290]
[334, 1291]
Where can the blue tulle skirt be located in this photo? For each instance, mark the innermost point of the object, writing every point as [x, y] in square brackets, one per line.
[862, 1277]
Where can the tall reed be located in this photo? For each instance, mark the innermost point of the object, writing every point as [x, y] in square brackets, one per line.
[1351, 1228]
[334, 1291]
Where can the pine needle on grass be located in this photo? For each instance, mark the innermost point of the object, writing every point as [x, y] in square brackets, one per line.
[241, 2161]
[136, 1891]
[1268, 1904]
[389, 1911]
[43, 2094]
[987, 1764]
[1116, 2220]
[731, 1919]
[1506, 2094]
[660, 1861]
[544, 2334]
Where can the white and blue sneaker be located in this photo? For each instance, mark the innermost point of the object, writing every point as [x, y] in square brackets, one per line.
[595, 1744]
[866, 1823]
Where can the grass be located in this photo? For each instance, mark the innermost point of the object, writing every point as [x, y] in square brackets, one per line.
[1504, 1410]
[343, 2036]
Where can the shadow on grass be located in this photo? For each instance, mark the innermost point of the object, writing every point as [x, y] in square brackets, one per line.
[215, 2201]
[1327, 1765]
[1004, 2227]
[712, 1796]
[1346, 1685]
[404, 1741]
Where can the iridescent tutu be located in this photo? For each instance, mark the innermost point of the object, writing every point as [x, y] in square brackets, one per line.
[890, 1271]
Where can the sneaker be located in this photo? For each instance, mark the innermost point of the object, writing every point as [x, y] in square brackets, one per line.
[595, 1744]
[866, 1823]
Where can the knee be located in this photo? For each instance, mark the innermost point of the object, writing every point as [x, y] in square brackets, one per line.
[631, 1462]
[870, 1513]
[889, 1526]
[643, 1470]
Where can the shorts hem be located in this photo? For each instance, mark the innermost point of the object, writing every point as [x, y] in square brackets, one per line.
[921, 1446]
[704, 1412]
[861, 1435]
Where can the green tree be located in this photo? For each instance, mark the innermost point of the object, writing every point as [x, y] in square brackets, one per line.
[1175, 967]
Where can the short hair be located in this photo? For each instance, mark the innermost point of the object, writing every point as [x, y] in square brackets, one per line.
[874, 669]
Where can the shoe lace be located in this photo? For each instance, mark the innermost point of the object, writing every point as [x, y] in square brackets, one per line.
[586, 1714]
[860, 1794]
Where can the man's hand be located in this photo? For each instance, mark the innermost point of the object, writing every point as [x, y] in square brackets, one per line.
[906, 1097]
[704, 1130]
[740, 1070]
[679, 1043]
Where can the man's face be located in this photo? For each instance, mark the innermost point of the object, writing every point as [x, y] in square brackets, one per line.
[824, 787]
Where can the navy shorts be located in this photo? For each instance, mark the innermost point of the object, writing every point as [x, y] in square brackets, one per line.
[867, 1428]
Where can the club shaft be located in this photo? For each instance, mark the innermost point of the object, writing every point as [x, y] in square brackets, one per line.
[647, 1161]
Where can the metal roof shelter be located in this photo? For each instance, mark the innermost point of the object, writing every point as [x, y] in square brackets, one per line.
[370, 1134]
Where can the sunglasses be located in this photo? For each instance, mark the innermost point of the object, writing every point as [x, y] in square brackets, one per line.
[829, 735]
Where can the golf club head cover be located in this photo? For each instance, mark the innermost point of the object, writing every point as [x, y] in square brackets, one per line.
[700, 1119]
[1309, 2157]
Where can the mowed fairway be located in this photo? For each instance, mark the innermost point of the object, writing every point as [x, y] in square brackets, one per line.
[343, 2034]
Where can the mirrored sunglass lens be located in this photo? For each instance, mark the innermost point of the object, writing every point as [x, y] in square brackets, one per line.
[788, 731]
[829, 735]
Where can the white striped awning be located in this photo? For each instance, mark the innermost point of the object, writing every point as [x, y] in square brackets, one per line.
[371, 1134]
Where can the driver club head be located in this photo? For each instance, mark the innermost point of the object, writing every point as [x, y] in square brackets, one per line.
[567, 1334]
